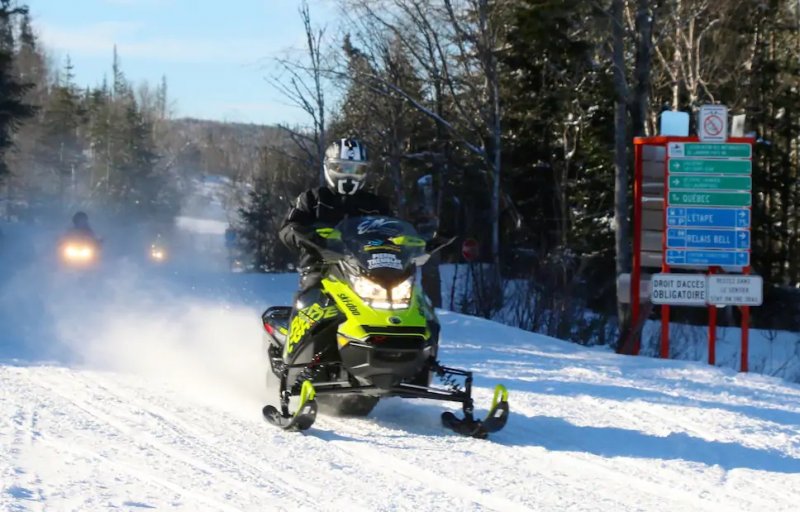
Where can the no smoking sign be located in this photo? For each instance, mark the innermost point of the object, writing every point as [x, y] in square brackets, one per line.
[713, 123]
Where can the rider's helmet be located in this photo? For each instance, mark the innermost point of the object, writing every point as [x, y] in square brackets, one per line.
[346, 166]
[80, 220]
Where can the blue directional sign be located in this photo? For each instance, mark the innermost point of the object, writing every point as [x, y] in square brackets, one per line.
[707, 258]
[707, 238]
[688, 217]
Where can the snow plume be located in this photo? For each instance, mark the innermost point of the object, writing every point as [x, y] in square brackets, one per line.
[165, 322]
[207, 349]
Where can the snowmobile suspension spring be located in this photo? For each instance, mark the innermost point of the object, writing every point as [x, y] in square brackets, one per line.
[310, 372]
[447, 378]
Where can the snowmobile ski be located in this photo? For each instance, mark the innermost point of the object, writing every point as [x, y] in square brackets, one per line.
[498, 414]
[495, 420]
[302, 419]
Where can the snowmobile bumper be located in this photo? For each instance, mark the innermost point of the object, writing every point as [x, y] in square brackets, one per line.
[385, 363]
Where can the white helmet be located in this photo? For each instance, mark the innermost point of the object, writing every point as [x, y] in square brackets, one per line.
[346, 166]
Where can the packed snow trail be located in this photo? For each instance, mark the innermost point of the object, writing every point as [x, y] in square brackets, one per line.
[143, 391]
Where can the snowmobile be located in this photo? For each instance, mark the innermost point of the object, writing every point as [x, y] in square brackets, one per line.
[158, 251]
[368, 333]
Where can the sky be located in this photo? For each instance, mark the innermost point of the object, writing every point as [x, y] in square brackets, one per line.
[216, 55]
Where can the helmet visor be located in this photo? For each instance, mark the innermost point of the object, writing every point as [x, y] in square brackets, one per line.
[347, 167]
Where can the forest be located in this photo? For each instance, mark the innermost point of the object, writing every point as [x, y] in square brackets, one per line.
[520, 114]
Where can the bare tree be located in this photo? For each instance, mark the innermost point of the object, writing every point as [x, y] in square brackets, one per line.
[630, 100]
[302, 83]
[455, 44]
[621, 237]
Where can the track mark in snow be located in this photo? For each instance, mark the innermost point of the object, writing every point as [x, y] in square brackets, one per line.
[381, 460]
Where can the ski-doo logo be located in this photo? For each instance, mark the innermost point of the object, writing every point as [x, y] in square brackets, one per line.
[348, 303]
[372, 225]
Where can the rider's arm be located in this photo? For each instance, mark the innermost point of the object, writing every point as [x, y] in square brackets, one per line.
[298, 224]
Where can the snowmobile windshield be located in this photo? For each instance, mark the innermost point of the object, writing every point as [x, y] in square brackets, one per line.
[384, 247]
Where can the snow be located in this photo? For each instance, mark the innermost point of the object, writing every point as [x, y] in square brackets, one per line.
[201, 226]
[771, 351]
[136, 388]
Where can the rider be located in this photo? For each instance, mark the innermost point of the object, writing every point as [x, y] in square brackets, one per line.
[345, 166]
[80, 226]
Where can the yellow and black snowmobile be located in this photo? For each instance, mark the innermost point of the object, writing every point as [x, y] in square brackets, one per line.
[367, 332]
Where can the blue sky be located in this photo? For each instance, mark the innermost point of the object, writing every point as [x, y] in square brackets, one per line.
[215, 54]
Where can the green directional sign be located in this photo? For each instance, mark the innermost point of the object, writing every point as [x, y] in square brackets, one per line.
[710, 198]
[710, 182]
[709, 150]
[692, 166]
[718, 150]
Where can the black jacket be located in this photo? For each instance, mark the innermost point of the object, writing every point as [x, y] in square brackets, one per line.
[318, 207]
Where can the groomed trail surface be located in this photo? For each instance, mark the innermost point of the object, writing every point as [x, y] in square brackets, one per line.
[151, 400]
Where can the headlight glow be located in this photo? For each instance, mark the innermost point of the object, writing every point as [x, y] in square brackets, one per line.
[402, 292]
[78, 252]
[369, 290]
[378, 297]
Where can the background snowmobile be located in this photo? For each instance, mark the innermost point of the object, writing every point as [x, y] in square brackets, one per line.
[368, 333]
[157, 252]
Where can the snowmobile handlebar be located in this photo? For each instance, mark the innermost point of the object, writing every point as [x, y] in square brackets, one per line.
[327, 255]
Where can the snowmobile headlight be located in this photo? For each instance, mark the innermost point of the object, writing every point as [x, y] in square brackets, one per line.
[369, 290]
[401, 294]
[75, 252]
[157, 253]
[378, 297]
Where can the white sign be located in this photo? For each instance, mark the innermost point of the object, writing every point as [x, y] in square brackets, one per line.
[674, 123]
[678, 289]
[735, 290]
[712, 123]
[384, 260]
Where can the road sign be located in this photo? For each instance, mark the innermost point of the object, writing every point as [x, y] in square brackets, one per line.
[470, 249]
[712, 123]
[735, 290]
[707, 150]
[690, 217]
[703, 258]
[691, 166]
[710, 182]
[678, 289]
[680, 238]
[710, 198]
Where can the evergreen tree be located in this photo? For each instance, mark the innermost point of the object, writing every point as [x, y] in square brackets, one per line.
[13, 109]
[60, 150]
[261, 219]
